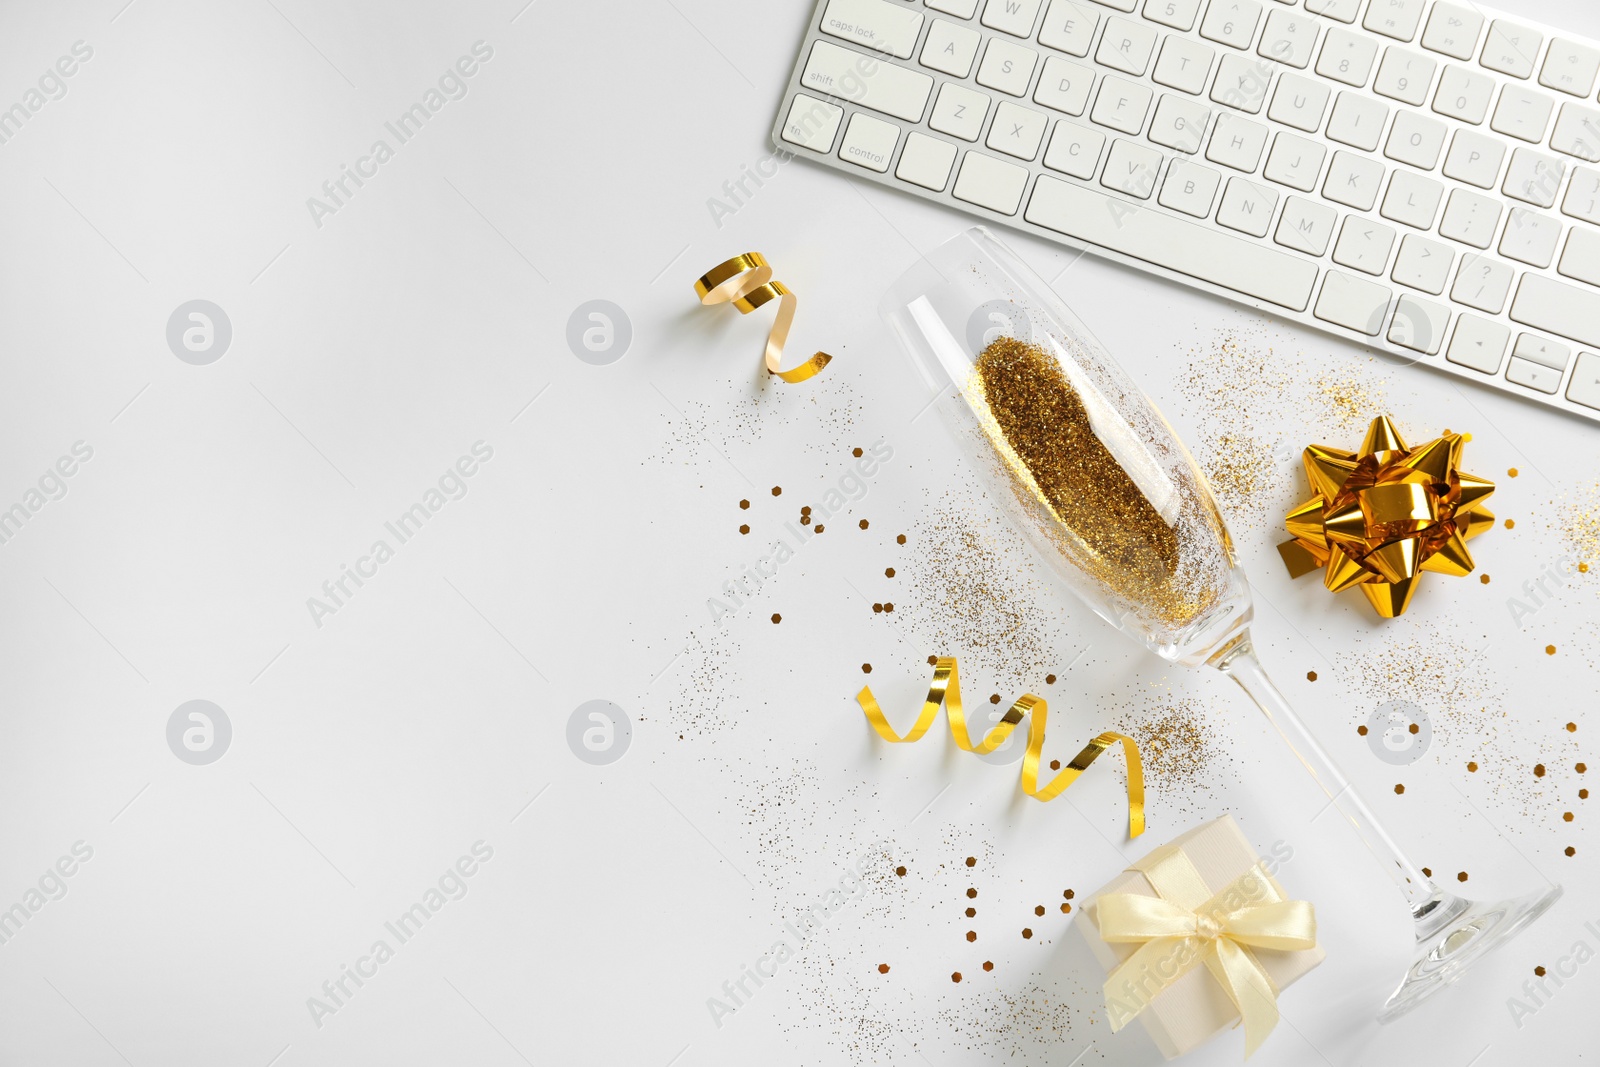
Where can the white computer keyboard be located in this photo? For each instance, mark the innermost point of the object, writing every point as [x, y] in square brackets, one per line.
[1420, 177]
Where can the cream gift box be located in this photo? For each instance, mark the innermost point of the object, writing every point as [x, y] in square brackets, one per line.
[1195, 1006]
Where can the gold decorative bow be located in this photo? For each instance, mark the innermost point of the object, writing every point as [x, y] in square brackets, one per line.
[745, 281]
[946, 692]
[1188, 925]
[1382, 516]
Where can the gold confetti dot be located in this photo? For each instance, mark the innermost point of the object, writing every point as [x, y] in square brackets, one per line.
[955, 976]
[1484, 578]
[971, 893]
[1512, 473]
[1399, 789]
[744, 529]
[878, 608]
[1539, 971]
[988, 965]
[1571, 851]
[1462, 877]
[1427, 873]
[1066, 909]
[933, 661]
[1311, 676]
[887, 606]
[972, 935]
[1026, 932]
[1472, 766]
[1572, 727]
[1055, 765]
[1549, 650]
[1583, 794]
[900, 540]
[1583, 568]
[1538, 770]
[883, 968]
[1068, 894]
[994, 698]
[856, 452]
[888, 572]
[972, 861]
[1566, 816]
[1580, 767]
[1362, 730]
[777, 490]
[901, 871]
[863, 524]
[1039, 910]
[1049, 679]
[866, 668]
[972, 913]
[1511, 524]
[817, 528]
[744, 505]
[1414, 728]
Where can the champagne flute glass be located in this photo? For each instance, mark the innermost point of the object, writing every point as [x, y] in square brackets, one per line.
[1099, 484]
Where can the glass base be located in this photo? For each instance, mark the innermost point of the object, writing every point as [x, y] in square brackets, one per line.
[1453, 934]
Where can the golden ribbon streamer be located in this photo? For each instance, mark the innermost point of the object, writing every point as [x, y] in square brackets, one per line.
[946, 692]
[745, 281]
[1187, 925]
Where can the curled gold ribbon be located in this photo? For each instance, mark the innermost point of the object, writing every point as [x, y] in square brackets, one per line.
[945, 692]
[745, 281]
[1187, 925]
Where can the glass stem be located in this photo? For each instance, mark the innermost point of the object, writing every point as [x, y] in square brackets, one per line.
[1238, 661]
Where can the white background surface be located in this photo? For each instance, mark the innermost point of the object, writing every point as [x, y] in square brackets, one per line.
[371, 752]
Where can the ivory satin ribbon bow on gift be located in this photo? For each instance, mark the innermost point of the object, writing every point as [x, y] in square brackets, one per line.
[1187, 925]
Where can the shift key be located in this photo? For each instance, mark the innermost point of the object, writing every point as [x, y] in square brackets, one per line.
[868, 82]
[1558, 308]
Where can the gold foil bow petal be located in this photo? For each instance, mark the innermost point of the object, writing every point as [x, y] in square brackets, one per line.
[945, 692]
[745, 281]
[1383, 515]
[1188, 925]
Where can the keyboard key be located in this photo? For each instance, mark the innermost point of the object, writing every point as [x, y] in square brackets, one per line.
[1354, 303]
[1192, 249]
[812, 123]
[1357, 121]
[875, 24]
[1305, 226]
[1017, 130]
[1069, 27]
[1131, 168]
[1247, 207]
[1347, 57]
[1533, 375]
[1183, 64]
[1533, 177]
[869, 142]
[1478, 343]
[1343, 10]
[1463, 94]
[1423, 264]
[1482, 283]
[1419, 325]
[1353, 181]
[961, 9]
[1522, 113]
[1569, 67]
[1531, 237]
[1189, 188]
[1240, 84]
[1364, 245]
[1510, 48]
[1394, 18]
[1007, 67]
[1585, 385]
[880, 86]
[950, 48]
[1412, 200]
[1231, 22]
[1126, 46]
[1120, 5]
[926, 161]
[1581, 259]
[1404, 76]
[1453, 30]
[1289, 38]
[1179, 14]
[1295, 162]
[1236, 142]
[1064, 85]
[1300, 102]
[1122, 105]
[1577, 132]
[1075, 150]
[1543, 351]
[1474, 159]
[989, 183]
[959, 111]
[1015, 17]
[1583, 196]
[1416, 139]
[1179, 123]
[1470, 218]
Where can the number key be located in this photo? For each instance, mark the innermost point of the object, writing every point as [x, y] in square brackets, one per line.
[1347, 57]
[1179, 14]
[1404, 76]
[1288, 38]
[1231, 22]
